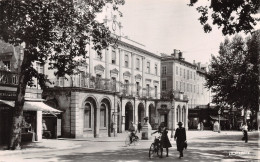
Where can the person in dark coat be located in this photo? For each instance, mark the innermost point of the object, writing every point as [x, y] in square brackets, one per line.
[180, 135]
[139, 127]
[165, 142]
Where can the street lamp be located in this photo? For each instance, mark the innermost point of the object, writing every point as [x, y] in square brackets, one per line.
[172, 121]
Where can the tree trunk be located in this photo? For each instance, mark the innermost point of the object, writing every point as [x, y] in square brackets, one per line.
[17, 113]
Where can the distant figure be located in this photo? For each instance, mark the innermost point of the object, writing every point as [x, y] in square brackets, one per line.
[132, 130]
[245, 130]
[198, 126]
[180, 135]
[139, 127]
[201, 126]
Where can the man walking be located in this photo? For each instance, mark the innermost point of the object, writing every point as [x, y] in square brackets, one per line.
[180, 135]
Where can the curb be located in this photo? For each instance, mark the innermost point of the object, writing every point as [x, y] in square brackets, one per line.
[26, 151]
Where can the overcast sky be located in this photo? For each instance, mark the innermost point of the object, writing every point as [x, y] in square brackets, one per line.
[164, 25]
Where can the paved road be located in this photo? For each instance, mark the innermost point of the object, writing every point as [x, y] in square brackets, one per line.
[202, 146]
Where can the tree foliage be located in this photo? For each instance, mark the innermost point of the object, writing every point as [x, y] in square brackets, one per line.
[232, 15]
[56, 32]
[233, 75]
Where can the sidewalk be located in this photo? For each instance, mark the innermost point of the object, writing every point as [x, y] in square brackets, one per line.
[69, 143]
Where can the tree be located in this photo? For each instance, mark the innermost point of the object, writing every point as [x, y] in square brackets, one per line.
[233, 75]
[233, 16]
[54, 32]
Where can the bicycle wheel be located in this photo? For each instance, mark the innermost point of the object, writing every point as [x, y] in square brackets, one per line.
[127, 141]
[152, 151]
[136, 140]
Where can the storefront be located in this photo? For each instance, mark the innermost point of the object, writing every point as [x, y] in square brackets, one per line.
[33, 112]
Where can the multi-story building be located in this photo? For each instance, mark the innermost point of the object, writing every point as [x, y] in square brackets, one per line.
[10, 60]
[188, 78]
[110, 91]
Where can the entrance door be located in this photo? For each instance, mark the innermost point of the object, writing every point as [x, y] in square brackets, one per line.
[128, 115]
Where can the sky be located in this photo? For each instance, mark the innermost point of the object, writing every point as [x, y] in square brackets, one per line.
[165, 25]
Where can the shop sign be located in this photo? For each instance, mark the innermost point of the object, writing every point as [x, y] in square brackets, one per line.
[7, 94]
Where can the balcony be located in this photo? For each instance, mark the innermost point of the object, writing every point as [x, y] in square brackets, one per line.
[96, 83]
[8, 78]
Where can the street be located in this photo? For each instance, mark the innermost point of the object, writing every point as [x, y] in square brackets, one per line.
[202, 146]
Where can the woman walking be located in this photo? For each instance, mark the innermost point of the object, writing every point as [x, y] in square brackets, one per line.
[165, 142]
[180, 135]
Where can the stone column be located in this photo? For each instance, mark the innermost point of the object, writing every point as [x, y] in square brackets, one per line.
[76, 116]
[186, 116]
[132, 87]
[121, 55]
[107, 53]
[143, 76]
[97, 125]
[38, 126]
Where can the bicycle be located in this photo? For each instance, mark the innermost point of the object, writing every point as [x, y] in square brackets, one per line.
[155, 147]
[135, 139]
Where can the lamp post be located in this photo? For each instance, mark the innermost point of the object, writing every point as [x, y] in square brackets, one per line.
[172, 121]
[219, 112]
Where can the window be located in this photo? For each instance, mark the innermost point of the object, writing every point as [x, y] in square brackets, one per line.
[39, 68]
[137, 88]
[137, 64]
[98, 56]
[155, 91]
[87, 116]
[177, 85]
[180, 71]
[126, 60]
[113, 57]
[164, 70]
[184, 73]
[188, 74]
[176, 70]
[7, 64]
[148, 67]
[126, 86]
[113, 83]
[103, 116]
[148, 90]
[164, 85]
[155, 69]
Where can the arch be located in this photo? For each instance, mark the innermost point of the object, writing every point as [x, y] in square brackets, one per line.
[140, 112]
[90, 116]
[128, 114]
[152, 115]
[105, 115]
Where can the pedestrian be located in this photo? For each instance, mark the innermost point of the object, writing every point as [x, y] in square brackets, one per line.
[201, 126]
[180, 137]
[139, 127]
[198, 126]
[245, 130]
[164, 142]
[132, 131]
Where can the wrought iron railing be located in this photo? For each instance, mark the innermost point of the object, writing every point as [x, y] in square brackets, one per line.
[8, 77]
[125, 89]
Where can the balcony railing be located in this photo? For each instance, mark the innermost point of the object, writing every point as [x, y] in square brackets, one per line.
[8, 77]
[95, 83]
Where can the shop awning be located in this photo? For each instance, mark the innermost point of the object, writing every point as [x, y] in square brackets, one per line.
[217, 118]
[33, 106]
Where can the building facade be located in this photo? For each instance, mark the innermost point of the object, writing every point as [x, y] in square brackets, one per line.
[187, 78]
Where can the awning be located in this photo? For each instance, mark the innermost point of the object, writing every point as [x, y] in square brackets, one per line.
[33, 106]
[217, 118]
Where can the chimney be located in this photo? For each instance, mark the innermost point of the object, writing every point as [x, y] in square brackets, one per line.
[180, 55]
[194, 63]
[198, 65]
